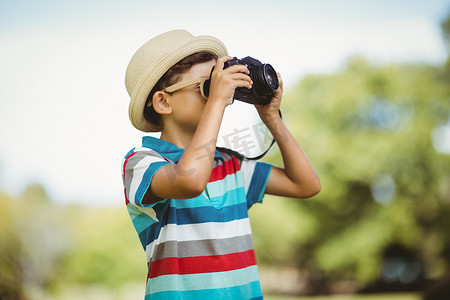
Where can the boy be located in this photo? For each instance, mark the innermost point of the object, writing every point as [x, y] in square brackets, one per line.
[189, 202]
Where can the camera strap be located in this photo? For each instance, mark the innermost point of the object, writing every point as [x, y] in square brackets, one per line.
[241, 156]
[270, 146]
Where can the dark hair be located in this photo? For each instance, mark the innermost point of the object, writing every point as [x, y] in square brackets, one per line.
[172, 76]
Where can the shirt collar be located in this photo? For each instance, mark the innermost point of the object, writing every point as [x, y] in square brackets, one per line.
[167, 149]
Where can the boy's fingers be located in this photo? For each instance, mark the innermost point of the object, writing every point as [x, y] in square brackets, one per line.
[245, 83]
[221, 61]
[280, 80]
[238, 69]
[242, 78]
[235, 68]
[279, 92]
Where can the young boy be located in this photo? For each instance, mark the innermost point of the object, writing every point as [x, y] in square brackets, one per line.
[189, 202]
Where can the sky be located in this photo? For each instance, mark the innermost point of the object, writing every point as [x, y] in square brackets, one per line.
[63, 103]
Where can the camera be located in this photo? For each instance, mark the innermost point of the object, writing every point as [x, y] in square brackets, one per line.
[264, 77]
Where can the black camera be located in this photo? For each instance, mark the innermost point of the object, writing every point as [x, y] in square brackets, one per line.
[264, 77]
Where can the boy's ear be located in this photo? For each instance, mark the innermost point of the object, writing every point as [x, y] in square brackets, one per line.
[160, 103]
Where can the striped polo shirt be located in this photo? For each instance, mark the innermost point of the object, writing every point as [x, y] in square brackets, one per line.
[198, 248]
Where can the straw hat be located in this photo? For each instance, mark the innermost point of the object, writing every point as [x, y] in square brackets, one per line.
[153, 59]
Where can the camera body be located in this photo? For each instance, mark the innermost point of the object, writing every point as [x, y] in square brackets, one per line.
[264, 77]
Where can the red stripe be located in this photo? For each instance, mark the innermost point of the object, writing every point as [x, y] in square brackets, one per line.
[230, 166]
[202, 264]
[126, 198]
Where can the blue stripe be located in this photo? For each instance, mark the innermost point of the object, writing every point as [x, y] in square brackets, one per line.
[151, 232]
[248, 291]
[142, 222]
[145, 183]
[258, 183]
[199, 214]
[201, 281]
[228, 183]
[231, 197]
[207, 214]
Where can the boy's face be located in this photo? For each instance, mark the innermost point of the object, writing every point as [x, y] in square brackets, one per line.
[187, 103]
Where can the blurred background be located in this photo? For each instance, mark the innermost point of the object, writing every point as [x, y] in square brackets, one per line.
[367, 95]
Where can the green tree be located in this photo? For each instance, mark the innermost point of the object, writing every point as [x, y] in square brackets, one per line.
[372, 134]
[46, 247]
[11, 275]
[106, 250]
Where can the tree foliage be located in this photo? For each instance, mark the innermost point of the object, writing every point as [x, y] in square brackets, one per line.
[378, 137]
[373, 134]
[46, 247]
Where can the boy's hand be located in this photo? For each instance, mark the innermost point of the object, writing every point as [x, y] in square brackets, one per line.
[225, 81]
[269, 112]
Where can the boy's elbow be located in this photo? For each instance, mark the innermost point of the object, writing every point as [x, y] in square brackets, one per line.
[313, 189]
[316, 187]
[193, 187]
[196, 190]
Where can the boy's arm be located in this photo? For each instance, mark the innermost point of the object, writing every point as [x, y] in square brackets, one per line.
[298, 178]
[188, 178]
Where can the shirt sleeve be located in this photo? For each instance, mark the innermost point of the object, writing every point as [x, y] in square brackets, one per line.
[138, 168]
[256, 175]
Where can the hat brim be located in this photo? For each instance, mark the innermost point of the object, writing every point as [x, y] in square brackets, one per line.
[159, 67]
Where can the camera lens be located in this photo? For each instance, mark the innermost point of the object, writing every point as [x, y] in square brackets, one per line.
[265, 79]
[271, 77]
